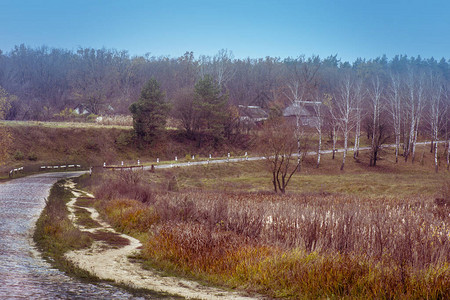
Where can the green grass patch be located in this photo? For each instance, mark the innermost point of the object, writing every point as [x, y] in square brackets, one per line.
[112, 239]
[84, 218]
[55, 234]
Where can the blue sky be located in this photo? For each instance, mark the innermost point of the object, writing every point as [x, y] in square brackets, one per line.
[249, 28]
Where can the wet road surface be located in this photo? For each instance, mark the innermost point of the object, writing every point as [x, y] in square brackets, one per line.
[23, 272]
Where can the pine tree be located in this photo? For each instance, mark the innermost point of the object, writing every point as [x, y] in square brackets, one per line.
[211, 108]
[150, 113]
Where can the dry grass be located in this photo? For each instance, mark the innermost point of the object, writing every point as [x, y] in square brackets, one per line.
[55, 234]
[84, 218]
[126, 121]
[365, 233]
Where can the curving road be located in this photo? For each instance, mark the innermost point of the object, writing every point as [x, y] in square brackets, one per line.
[23, 272]
[221, 161]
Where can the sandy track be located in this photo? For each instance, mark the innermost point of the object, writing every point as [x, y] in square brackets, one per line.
[114, 264]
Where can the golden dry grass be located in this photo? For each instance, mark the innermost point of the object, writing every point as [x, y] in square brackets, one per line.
[362, 233]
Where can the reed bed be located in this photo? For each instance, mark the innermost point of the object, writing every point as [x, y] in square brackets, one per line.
[294, 246]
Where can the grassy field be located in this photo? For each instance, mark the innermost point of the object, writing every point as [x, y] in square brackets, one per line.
[367, 232]
[60, 124]
[59, 143]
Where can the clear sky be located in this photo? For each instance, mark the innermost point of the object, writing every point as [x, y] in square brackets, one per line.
[249, 28]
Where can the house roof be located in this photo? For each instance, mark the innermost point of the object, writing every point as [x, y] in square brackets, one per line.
[295, 110]
[253, 112]
[305, 109]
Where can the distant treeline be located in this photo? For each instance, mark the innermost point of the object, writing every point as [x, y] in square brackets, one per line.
[48, 80]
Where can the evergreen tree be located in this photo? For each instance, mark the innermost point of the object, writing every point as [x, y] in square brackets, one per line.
[150, 112]
[211, 109]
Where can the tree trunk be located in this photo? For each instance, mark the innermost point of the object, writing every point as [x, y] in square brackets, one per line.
[375, 154]
[357, 138]
[319, 148]
[416, 131]
[334, 141]
[448, 155]
[274, 181]
[436, 157]
[397, 147]
[345, 147]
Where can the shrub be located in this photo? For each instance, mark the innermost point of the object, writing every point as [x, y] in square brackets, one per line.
[125, 184]
[32, 156]
[130, 215]
[18, 155]
[125, 138]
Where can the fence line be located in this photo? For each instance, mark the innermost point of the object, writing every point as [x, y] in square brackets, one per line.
[14, 171]
[43, 168]
[123, 167]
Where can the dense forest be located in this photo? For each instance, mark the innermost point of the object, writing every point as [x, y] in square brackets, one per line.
[397, 99]
[48, 80]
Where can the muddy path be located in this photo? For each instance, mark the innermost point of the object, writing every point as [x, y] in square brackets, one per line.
[113, 262]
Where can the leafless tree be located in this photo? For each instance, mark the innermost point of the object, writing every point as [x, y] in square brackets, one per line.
[278, 144]
[415, 105]
[220, 67]
[359, 97]
[300, 89]
[436, 113]
[344, 114]
[395, 109]
[223, 67]
[320, 101]
[375, 94]
[183, 109]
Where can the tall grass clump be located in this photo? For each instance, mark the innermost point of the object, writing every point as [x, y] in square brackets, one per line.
[316, 245]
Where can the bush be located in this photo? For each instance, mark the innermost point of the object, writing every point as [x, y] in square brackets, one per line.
[130, 215]
[32, 156]
[125, 184]
[18, 155]
[124, 139]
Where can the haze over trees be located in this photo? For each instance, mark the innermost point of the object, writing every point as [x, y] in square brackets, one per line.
[399, 100]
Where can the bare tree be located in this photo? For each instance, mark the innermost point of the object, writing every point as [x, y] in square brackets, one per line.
[359, 97]
[446, 123]
[375, 100]
[183, 109]
[415, 89]
[320, 101]
[344, 111]
[278, 145]
[223, 67]
[301, 86]
[436, 114]
[395, 109]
